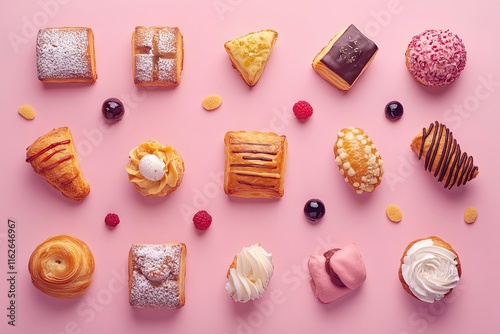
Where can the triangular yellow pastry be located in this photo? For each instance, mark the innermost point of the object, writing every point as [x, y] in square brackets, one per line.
[250, 53]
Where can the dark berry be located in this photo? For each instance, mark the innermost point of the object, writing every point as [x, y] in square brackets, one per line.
[393, 110]
[314, 209]
[113, 109]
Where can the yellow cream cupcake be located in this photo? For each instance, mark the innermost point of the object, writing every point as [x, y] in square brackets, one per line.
[154, 169]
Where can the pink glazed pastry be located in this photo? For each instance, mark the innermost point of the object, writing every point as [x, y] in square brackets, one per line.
[336, 273]
[436, 58]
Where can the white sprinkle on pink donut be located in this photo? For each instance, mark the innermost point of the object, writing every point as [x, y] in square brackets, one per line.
[436, 57]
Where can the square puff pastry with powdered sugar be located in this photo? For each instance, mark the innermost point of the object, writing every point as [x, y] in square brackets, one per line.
[156, 275]
[66, 55]
[158, 56]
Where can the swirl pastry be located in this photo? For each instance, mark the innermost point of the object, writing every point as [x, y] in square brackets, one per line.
[249, 274]
[154, 169]
[62, 267]
[249, 54]
[443, 157]
[66, 55]
[336, 273]
[429, 269]
[156, 275]
[358, 159]
[53, 156]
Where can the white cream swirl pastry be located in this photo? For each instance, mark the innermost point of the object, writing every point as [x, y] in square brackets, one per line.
[430, 269]
[249, 274]
[154, 169]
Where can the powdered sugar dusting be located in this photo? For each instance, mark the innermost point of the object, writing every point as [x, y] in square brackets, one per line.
[63, 54]
[156, 52]
[167, 41]
[155, 276]
[167, 70]
[144, 38]
[144, 67]
[436, 57]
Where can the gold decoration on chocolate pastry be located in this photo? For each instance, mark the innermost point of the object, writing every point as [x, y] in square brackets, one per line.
[358, 159]
[158, 56]
[156, 275]
[255, 164]
[345, 58]
[443, 157]
[53, 156]
[66, 55]
[62, 267]
[249, 54]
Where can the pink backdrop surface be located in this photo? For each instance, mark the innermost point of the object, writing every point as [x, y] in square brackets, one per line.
[175, 117]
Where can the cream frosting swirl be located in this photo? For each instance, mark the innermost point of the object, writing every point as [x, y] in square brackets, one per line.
[249, 274]
[166, 154]
[429, 270]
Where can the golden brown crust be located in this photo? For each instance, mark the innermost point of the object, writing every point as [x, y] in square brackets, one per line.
[155, 294]
[266, 39]
[168, 76]
[232, 265]
[437, 242]
[443, 157]
[89, 55]
[407, 62]
[62, 267]
[255, 164]
[358, 159]
[54, 157]
[324, 71]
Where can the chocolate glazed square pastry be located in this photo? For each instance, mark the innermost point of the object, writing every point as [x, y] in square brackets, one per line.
[156, 275]
[158, 56]
[255, 164]
[342, 61]
[66, 55]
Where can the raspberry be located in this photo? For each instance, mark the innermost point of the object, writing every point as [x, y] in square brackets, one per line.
[112, 219]
[202, 220]
[302, 110]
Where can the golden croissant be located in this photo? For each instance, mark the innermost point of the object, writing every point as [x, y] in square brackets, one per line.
[53, 156]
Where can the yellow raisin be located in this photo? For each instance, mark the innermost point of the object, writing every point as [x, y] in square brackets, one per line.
[211, 102]
[27, 111]
[470, 215]
[393, 212]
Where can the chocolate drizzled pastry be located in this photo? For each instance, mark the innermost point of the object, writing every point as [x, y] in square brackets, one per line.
[443, 156]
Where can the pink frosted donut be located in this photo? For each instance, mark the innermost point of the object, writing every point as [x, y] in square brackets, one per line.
[436, 57]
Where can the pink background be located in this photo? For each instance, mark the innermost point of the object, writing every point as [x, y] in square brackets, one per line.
[175, 117]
